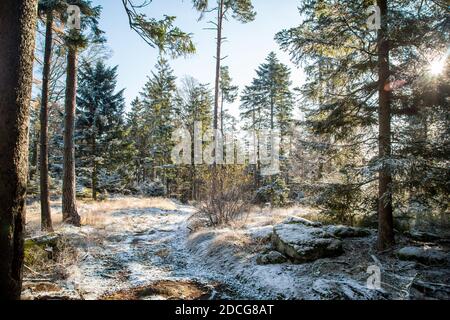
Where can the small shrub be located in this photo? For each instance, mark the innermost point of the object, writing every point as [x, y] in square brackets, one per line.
[229, 200]
[275, 193]
[153, 189]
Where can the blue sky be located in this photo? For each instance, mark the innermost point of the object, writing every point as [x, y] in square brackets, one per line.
[247, 46]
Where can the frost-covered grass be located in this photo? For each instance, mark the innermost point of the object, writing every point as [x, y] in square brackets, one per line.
[93, 213]
[129, 243]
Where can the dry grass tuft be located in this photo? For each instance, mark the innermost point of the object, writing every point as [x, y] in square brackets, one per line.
[92, 213]
[53, 264]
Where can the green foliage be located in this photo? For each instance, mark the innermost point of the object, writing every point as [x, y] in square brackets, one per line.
[161, 34]
[151, 123]
[276, 193]
[90, 31]
[241, 10]
[153, 189]
[100, 131]
[268, 101]
[340, 100]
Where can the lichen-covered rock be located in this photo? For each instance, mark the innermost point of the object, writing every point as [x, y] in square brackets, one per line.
[49, 240]
[298, 220]
[273, 257]
[344, 289]
[425, 255]
[423, 236]
[347, 232]
[261, 234]
[302, 243]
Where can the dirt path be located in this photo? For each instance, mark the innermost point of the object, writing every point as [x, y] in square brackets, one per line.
[138, 254]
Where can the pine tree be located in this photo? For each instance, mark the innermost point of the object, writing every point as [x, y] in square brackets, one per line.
[355, 82]
[75, 41]
[47, 8]
[17, 22]
[268, 102]
[241, 10]
[228, 93]
[193, 104]
[157, 99]
[138, 139]
[161, 34]
[99, 123]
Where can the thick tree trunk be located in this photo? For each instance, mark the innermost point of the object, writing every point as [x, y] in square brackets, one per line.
[46, 218]
[17, 25]
[385, 218]
[69, 209]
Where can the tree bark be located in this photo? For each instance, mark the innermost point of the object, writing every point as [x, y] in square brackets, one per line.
[385, 217]
[46, 218]
[220, 14]
[69, 209]
[17, 25]
[221, 113]
[218, 61]
[94, 164]
[34, 151]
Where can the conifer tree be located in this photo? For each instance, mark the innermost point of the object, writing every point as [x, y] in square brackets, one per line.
[158, 99]
[17, 25]
[228, 93]
[268, 103]
[356, 78]
[75, 41]
[100, 123]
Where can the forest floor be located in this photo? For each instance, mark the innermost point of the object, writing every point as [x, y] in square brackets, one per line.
[138, 248]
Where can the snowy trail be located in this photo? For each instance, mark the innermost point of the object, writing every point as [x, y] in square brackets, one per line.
[136, 247]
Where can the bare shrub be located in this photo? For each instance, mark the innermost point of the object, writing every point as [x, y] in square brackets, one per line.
[226, 200]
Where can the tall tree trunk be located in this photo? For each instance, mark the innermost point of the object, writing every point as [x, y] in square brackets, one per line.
[218, 61]
[216, 91]
[94, 165]
[17, 25]
[221, 112]
[385, 218]
[46, 218]
[69, 209]
[34, 151]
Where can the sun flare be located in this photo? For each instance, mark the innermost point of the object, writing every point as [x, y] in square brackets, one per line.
[437, 66]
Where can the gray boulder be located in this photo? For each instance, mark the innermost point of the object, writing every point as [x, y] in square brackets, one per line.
[344, 289]
[302, 243]
[305, 222]
[347, 232]
[273, 257]
[424, 255]
[423, 236]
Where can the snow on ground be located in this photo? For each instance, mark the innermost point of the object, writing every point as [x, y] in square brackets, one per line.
[132, 242]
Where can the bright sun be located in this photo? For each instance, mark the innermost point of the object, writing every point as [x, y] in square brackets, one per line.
[437, 66]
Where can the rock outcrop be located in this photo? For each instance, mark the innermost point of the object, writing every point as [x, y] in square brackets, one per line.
[344, 289]
[347, 232]
[302, 241]
[425, 255]
[273, 257]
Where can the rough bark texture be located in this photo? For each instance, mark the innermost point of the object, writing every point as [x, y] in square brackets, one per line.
[17, 25]
[220, 16]
[69, 209]
[94, 164]
[385, 219]
[46, 218]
